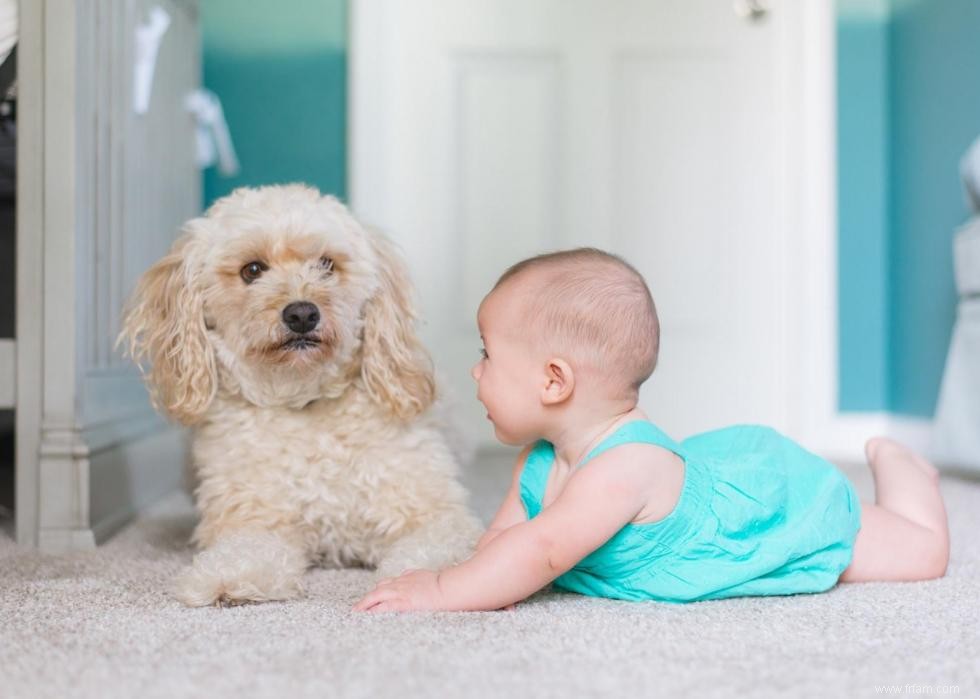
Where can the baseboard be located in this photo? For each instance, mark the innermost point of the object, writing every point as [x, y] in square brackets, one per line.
[842, 437]
[107, 525]
[913, 432]
[59, 540]
[131, 475]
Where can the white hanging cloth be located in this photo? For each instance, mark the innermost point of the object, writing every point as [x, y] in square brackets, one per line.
[213, 138]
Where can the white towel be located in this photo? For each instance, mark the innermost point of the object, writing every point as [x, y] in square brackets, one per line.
[970, 173]
[966, 259]
[956, 427]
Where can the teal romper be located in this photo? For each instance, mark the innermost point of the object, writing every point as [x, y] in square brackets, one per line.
[757, 515]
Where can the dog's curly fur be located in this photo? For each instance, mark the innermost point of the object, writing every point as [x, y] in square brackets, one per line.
[309, 446]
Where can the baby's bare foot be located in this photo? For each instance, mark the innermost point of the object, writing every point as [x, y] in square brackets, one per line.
[882, 450]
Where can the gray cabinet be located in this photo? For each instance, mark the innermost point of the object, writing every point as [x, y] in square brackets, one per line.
[102, 191]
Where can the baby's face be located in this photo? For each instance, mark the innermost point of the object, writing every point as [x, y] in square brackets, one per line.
[508, 376]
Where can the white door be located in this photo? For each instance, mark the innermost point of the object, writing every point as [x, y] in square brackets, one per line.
[485, 131]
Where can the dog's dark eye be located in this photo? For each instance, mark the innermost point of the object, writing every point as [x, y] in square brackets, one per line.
[253, 270]
[326, 264]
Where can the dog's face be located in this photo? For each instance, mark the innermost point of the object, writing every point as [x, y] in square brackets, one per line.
[281, 296]
[286, 287]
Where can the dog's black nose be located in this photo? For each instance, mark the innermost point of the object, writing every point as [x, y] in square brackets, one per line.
[300, 316]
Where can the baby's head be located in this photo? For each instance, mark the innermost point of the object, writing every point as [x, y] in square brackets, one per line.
[583, 309]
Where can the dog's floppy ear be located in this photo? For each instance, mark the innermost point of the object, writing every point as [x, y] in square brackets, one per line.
[395, 367]
[164, 322]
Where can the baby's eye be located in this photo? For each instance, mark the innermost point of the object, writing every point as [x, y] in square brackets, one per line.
[483, 353]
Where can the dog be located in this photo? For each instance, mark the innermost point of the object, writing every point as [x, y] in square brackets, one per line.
[282, 331]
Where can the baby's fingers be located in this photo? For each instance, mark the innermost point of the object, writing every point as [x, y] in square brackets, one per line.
[392, 605]
[377, 595]
[363, 604]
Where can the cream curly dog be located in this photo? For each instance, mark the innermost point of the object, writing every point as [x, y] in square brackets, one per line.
[283, 332]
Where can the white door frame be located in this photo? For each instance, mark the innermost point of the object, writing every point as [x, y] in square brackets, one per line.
[811, 88]
[808, 102]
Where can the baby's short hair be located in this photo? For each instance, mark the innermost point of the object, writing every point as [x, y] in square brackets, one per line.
[595, 306]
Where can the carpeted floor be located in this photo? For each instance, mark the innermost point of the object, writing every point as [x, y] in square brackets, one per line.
[101, 624]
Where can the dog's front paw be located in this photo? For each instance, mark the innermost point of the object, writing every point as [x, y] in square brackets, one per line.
[434, 545]
[248, 566]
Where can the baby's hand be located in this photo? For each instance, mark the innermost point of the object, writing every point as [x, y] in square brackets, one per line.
[413, 590]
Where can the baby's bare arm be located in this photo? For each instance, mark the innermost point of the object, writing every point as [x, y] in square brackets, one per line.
[514, 563]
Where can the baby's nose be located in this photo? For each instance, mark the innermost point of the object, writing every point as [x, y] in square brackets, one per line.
[475, 371]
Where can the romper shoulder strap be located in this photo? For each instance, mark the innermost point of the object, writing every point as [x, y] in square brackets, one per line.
[534, 476]
[636, 431]
[537, 465]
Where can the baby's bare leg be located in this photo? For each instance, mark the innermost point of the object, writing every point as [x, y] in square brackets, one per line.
[904, 535]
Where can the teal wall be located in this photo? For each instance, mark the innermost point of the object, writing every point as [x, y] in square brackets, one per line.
[280, 70]
[909, 105]
[862, 195]
[935, 115]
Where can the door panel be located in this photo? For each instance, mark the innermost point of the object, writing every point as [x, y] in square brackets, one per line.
[492, 130]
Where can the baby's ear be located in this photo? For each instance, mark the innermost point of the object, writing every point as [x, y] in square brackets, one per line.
[164, 322]
[559, 382]
[395, 367]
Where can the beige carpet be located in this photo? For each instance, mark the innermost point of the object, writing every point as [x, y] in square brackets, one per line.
[101, 624]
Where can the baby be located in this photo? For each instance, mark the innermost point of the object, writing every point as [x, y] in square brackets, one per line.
[603, 503]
